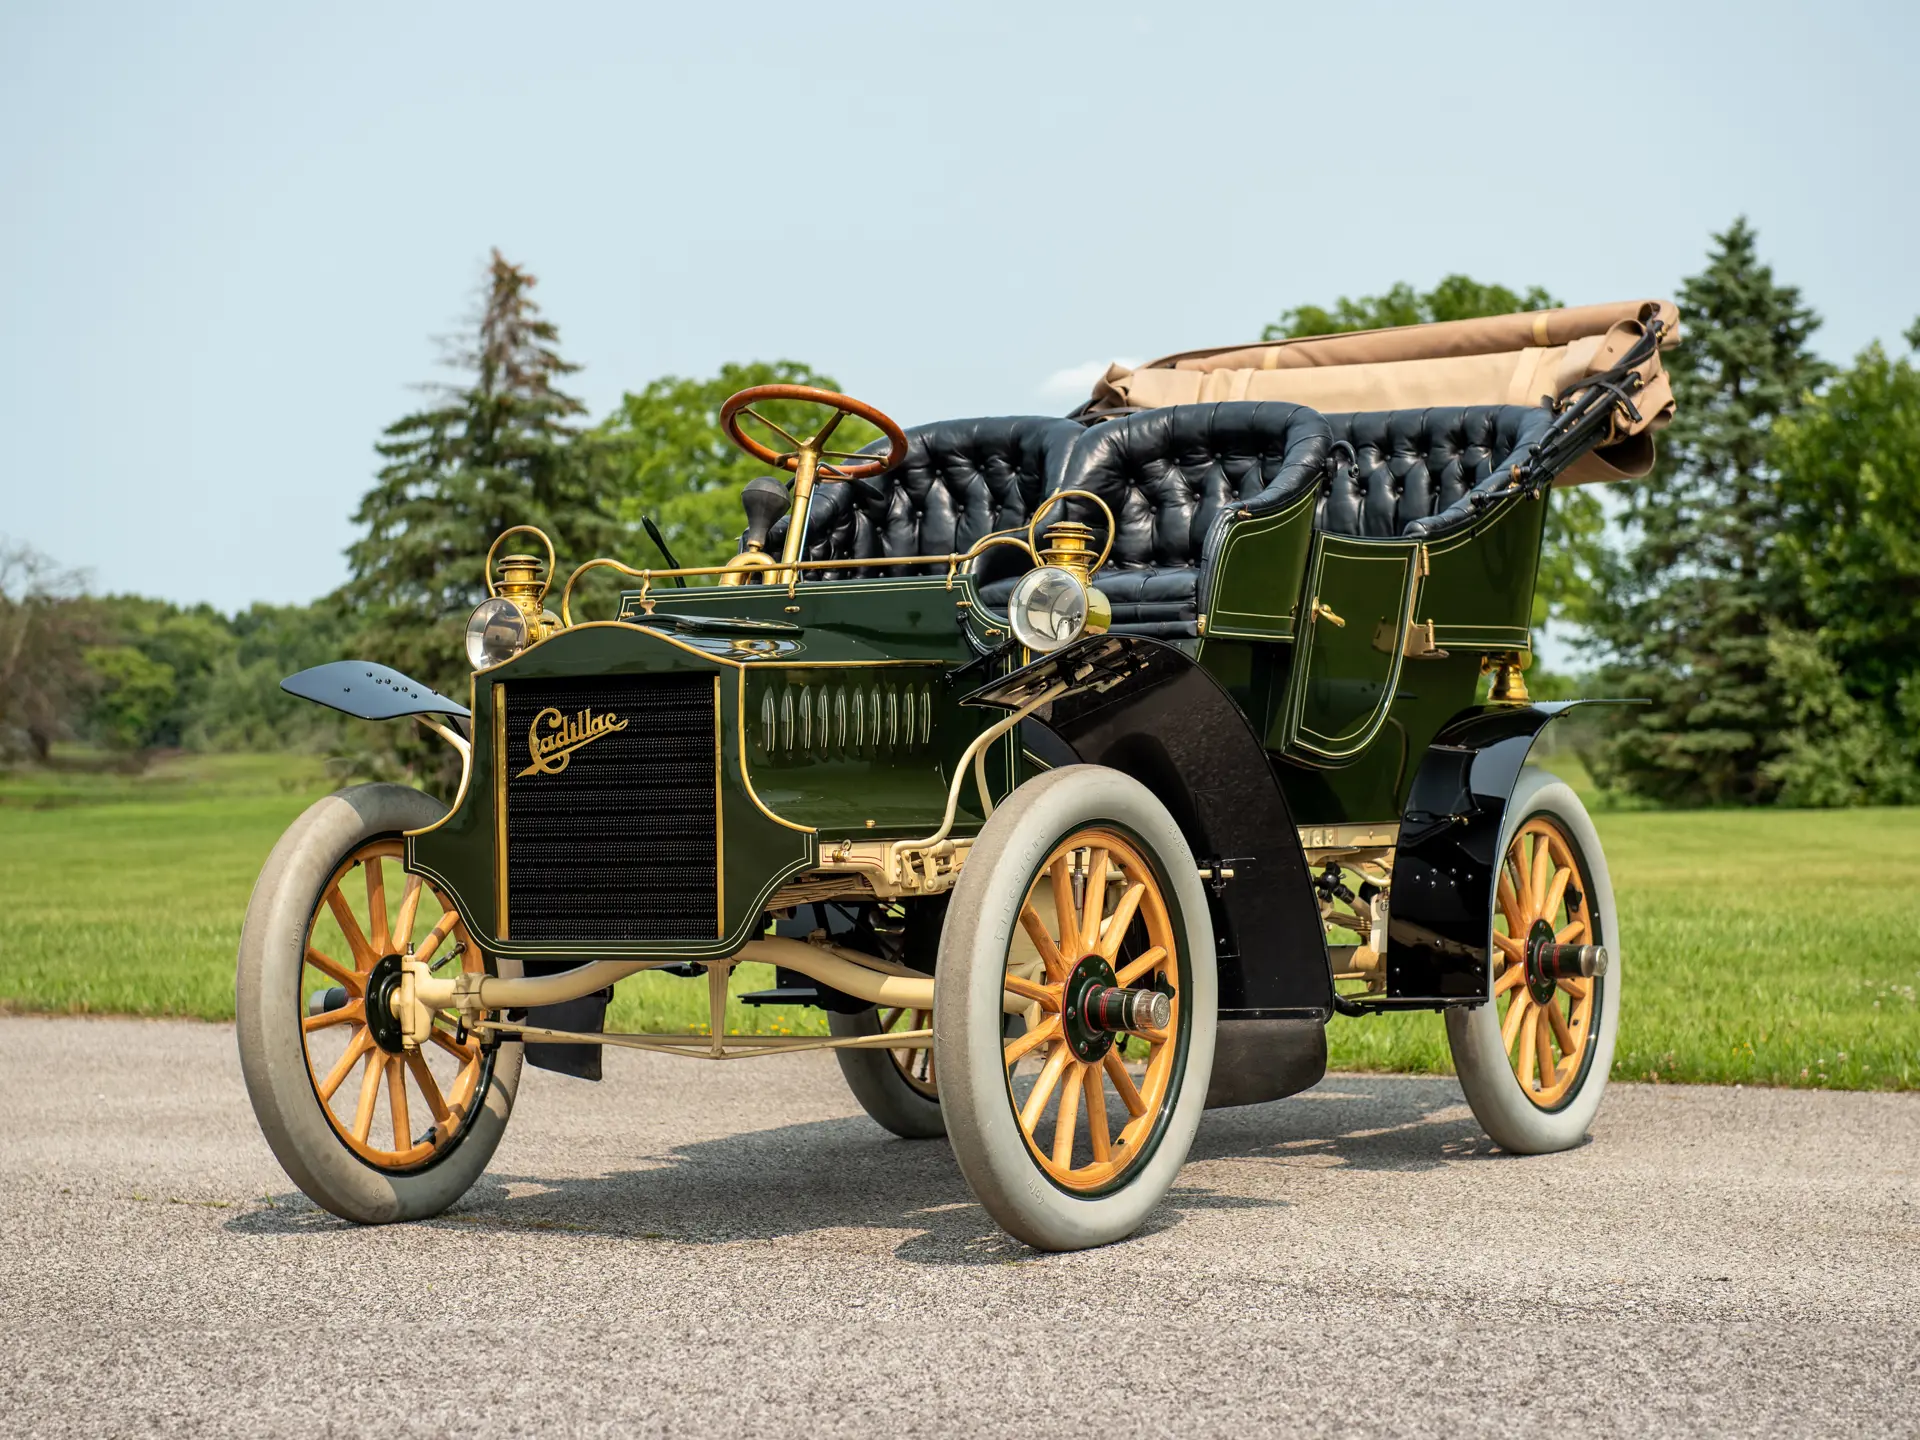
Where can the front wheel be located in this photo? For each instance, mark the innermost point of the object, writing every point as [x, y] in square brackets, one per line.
[1081, 897]
[1534, 1063]
[369, 1129]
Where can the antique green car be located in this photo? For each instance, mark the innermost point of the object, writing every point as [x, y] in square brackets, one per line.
[1080, 769]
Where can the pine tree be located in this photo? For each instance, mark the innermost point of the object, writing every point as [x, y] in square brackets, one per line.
[502, 448]
[1685, 613]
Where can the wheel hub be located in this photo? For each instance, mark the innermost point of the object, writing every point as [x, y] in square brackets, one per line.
[382, 1024]
[1085, 1040]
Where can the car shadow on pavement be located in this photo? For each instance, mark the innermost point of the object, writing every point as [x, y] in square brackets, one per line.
[848, 1174]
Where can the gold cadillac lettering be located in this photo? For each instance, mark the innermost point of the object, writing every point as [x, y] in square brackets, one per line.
[552, 751]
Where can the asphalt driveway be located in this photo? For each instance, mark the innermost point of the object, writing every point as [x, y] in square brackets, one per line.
[734, 1249]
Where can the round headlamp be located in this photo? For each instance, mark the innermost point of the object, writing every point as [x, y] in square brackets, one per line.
[496, 632]
[1049, 608]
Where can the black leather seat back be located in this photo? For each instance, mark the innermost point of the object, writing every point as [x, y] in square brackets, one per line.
[1413, 469]
[1171, 477]
[959, 480]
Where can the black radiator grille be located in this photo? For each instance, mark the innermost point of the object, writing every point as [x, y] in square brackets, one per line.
[614, 835]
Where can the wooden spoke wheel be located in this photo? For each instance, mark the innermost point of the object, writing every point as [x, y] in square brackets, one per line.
[368, 1129]
[1081, 908]
[395, 1108]
[1095, 915]
[1546, 1024]
[1534, 1062]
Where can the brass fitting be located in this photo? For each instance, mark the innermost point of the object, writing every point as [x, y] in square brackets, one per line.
[1508, 687]
[1069, 545]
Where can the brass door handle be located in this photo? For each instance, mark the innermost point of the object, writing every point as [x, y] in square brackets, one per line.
[1325, 612]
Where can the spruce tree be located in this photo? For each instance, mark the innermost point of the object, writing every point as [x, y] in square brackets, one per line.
[501, 448]
[1684, 616]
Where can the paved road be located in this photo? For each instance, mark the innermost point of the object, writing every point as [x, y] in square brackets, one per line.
[733, 1249]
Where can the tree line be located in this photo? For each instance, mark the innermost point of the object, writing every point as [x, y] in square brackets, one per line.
[1761, 588]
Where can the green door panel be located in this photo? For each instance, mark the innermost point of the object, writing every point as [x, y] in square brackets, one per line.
[1257, 574]
[1349, 643]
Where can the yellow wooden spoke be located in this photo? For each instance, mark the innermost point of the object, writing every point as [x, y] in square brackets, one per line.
[1514, 948]
[347, 1014]
[369, 1093]
[356, 1047]
[1046, 997]
[1575, 986]
[1516, 1012]
[1064, 909]
[429, 1087]
[1509, 902]
[1135, 970]
[1543, 1041]
[343, 916]
[1542, 868]
[409, 909]
[397, 1103]
[353, 982]
[1529, 1051]
[889, 1018]
[1097, 1114]
[1116, 926]
[1556, 892]
[377, 906]
[1511, 976]
[1048, 1029]
[1561, 1030]
[442, 928]
[1096, 906]
[1567, 934]
[1123, 1085]
[1067, 1121]
[1036, 927]
[454, 1047]
[1057, 1061]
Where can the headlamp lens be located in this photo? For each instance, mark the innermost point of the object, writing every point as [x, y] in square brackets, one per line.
[1048, 608]
[496, 632]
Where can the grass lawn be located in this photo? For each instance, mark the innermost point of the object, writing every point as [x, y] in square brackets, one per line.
[1767, 948]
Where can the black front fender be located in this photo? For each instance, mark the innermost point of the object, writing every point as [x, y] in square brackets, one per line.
[1146, 709]
[369, 691]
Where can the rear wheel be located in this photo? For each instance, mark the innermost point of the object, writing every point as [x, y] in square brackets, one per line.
[898, 1088]
[368, 1129]
[1534, 1063]
[1079, 890]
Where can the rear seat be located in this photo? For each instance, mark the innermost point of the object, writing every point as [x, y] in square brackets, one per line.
[1413, 470]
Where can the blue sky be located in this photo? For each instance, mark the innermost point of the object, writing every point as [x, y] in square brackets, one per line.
[229, 234]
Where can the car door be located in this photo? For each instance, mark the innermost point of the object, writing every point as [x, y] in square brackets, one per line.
[1349, 642]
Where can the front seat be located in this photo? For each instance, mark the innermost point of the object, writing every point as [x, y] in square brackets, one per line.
[959, 480]
[1174, 478]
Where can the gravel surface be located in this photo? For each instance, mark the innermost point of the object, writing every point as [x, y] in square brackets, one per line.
[709, 1249]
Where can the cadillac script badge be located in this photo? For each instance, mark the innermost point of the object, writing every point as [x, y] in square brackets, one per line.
[552, 750]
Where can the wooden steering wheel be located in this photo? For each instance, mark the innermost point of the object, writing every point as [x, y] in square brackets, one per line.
[810, 458]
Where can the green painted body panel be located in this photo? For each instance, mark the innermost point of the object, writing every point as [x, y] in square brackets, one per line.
[837, 722]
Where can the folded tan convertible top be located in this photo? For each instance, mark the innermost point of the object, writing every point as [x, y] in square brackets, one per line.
[1525, 359]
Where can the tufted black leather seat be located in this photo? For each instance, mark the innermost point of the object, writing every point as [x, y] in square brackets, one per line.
[1173, 478]
[1414, 469]
[960, 480]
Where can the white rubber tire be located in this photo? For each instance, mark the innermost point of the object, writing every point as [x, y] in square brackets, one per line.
[876, 1082]
[267, 1022]
[1511, 1120]
[967, 1031]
